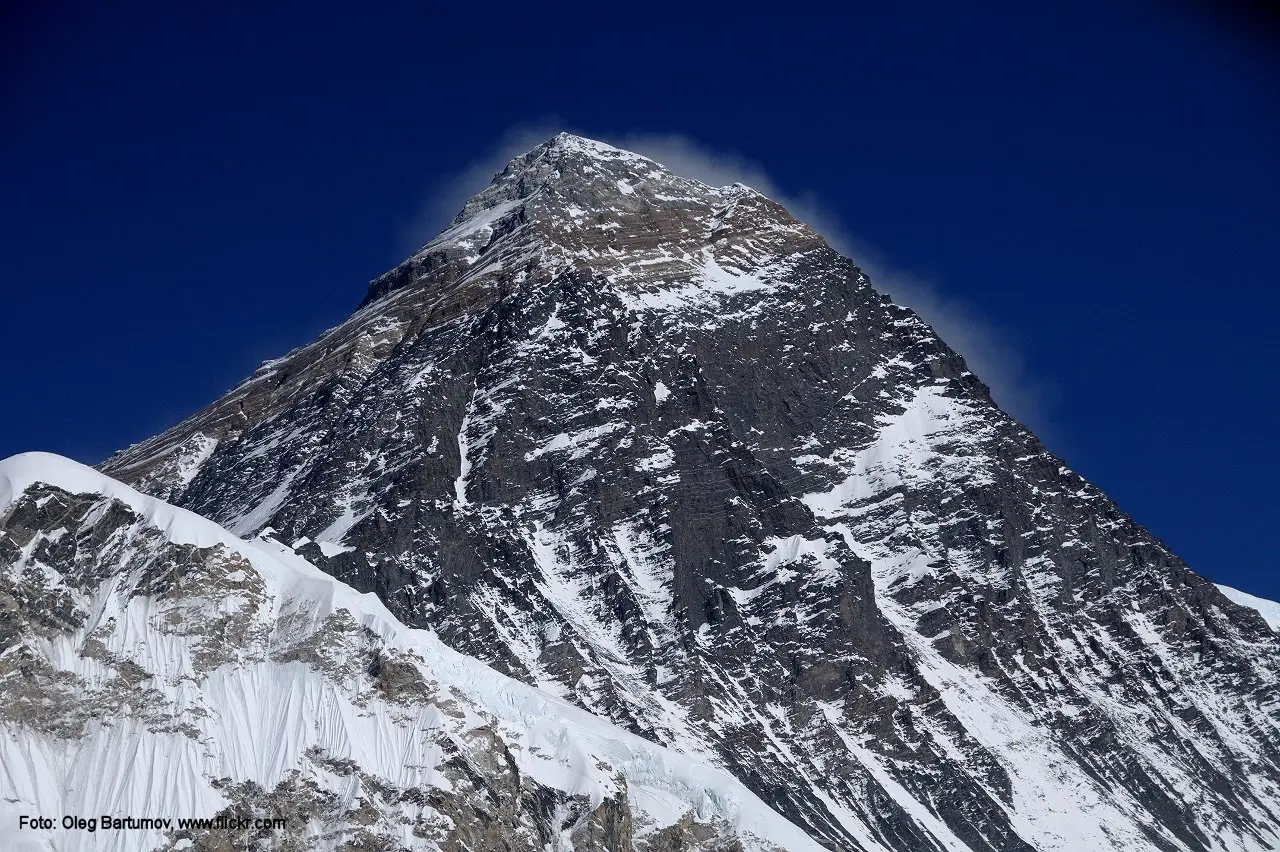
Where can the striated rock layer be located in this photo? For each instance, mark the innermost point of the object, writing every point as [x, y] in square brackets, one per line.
[655, 448]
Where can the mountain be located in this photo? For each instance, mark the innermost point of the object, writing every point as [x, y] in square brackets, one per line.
[653, 448]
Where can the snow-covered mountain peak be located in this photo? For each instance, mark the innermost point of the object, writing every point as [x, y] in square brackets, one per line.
[589, 205]
[565, 142]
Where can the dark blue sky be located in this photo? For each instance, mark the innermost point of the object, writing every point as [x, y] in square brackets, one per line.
[188, 189]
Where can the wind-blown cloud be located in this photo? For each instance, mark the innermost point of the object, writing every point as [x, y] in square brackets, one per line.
[989, 350]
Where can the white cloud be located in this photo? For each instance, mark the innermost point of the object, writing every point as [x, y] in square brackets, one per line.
[989, 350]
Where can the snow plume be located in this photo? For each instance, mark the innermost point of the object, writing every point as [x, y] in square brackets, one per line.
[452, 191]
[988, 349]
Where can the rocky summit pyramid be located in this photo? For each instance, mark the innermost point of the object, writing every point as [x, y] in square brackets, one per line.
[654, 449]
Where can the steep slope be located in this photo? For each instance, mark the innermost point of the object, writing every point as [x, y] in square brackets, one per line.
[194, 673]
[1269, 610]
[653, 446]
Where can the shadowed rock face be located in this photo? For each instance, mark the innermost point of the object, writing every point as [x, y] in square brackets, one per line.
[653, 446]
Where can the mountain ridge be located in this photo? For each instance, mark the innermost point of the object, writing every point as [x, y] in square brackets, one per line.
[580, 756]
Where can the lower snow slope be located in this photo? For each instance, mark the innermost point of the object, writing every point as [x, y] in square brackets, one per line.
[153, 665]
[1269, 610]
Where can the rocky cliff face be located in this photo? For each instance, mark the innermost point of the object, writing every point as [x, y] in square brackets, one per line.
[655, 448]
